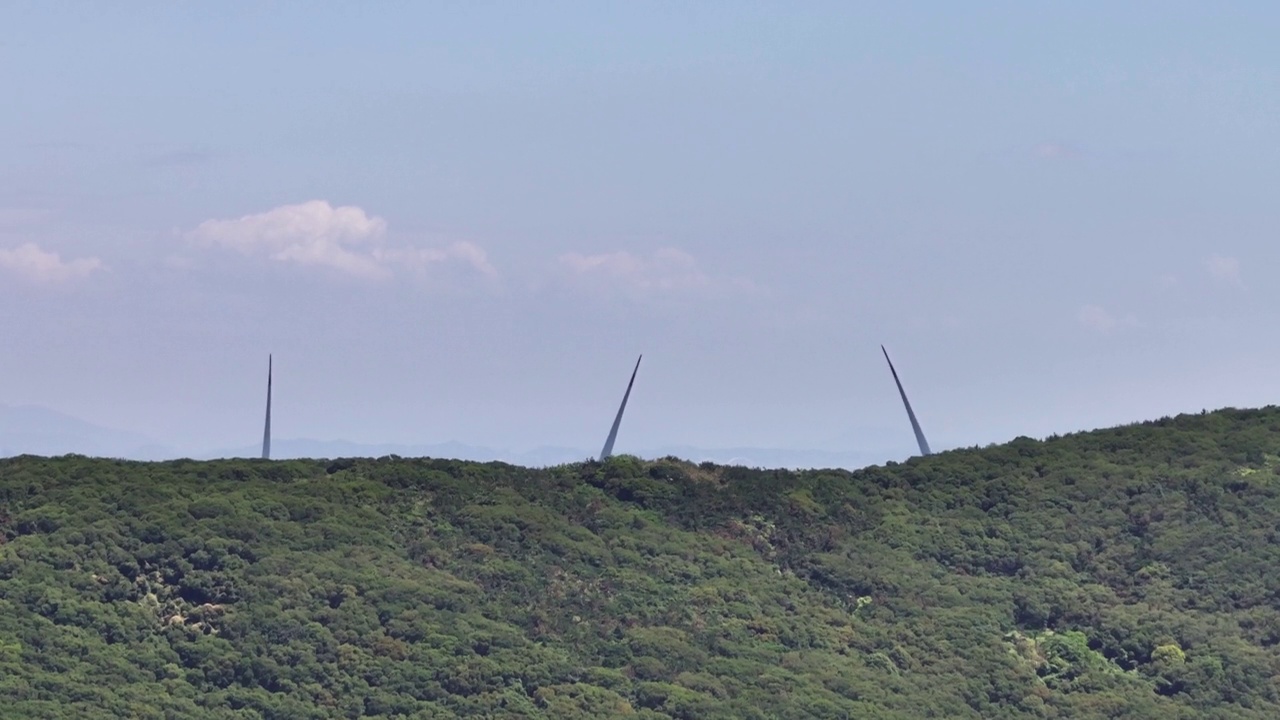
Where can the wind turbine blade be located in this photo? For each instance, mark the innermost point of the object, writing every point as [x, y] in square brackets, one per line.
[915, 426]
[266, 430]
[617, 421]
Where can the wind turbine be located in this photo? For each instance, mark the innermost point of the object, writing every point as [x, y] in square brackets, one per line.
[613, 431]
[266, 430]
[915, 425]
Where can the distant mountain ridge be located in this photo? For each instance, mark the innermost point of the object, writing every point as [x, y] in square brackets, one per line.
[33, 430]
[546, 456]
[303, 448]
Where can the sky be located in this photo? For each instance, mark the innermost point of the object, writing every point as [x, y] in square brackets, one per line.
[464, 221]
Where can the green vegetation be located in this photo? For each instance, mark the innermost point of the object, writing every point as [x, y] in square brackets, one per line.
[1122, 573]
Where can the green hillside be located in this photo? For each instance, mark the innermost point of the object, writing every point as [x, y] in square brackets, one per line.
[1132, 572]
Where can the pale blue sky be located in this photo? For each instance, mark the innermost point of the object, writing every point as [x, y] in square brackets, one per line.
[1056, 216]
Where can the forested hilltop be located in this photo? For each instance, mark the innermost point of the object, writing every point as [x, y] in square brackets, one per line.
[1131, 572]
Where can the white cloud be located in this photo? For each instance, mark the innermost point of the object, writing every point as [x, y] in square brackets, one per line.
[1224, 269]
[666, 270]
[310, 233]
[419, 258]
[1096, 317]
[343, 238]
[29, 261]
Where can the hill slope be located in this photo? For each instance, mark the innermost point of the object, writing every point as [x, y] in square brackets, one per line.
[1127, 572]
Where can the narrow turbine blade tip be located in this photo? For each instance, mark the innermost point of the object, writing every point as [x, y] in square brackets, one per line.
[607, 451]
[911, 415]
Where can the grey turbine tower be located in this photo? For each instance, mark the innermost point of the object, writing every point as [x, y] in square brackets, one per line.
[613, 431]
[915, 426]
[266, 430]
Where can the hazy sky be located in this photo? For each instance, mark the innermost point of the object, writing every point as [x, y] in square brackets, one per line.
[463, 221]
